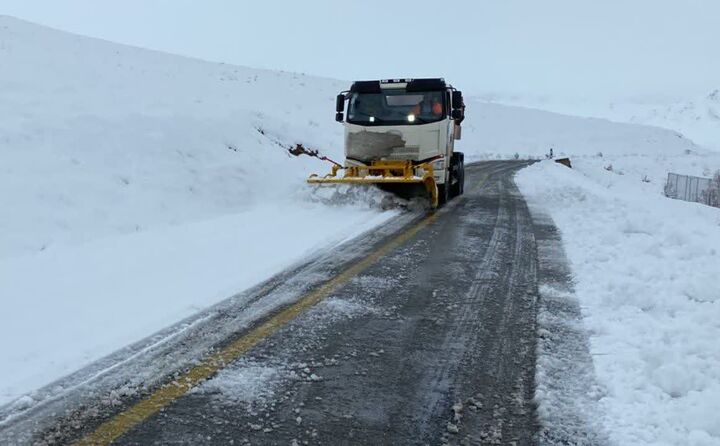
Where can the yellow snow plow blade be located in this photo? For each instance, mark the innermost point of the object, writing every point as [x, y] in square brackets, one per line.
[384, 172]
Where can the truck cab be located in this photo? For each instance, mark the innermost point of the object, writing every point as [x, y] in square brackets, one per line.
[412, 120]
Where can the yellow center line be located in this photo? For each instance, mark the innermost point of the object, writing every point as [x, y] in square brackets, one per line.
[123, 422]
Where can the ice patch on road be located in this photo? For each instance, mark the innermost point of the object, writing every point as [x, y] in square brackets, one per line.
[373, 282]
[255, 381]
[246, 382]
[334, 309]
[347, 307]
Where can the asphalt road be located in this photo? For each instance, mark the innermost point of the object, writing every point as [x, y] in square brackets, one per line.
[431, 342]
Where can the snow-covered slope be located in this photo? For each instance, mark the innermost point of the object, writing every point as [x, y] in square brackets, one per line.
[99, 139]
[493, 130]
[697, 118]
[138, 187]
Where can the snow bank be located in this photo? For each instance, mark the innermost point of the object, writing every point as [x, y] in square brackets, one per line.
[645, 266]
[95, 298]
[646, 276]
[138, 188]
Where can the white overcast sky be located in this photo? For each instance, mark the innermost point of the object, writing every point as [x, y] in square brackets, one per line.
[508, 46]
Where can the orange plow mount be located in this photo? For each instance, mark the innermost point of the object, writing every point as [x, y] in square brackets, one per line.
[384, 173]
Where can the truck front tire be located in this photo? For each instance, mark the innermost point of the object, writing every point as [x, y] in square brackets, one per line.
[457, 170]
[444, 193]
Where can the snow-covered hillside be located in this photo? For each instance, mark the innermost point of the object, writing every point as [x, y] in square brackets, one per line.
[139, 186]
[493, 130]
[100, 139]
[697, 118]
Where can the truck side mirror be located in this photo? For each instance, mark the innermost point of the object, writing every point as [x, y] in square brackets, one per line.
[339, 117]
[457, 100]
[340, 103]
[457, 114]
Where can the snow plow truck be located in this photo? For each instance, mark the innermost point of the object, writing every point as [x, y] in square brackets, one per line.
[399, 136]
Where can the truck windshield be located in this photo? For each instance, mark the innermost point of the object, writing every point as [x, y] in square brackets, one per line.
[396, 108]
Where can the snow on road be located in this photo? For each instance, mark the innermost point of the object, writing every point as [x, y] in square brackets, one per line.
[646, 269]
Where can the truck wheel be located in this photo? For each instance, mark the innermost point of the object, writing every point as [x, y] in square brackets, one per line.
[461, 169]
[457, 169]
[443, 193]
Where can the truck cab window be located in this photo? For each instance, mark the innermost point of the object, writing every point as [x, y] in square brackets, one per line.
[397, 108]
